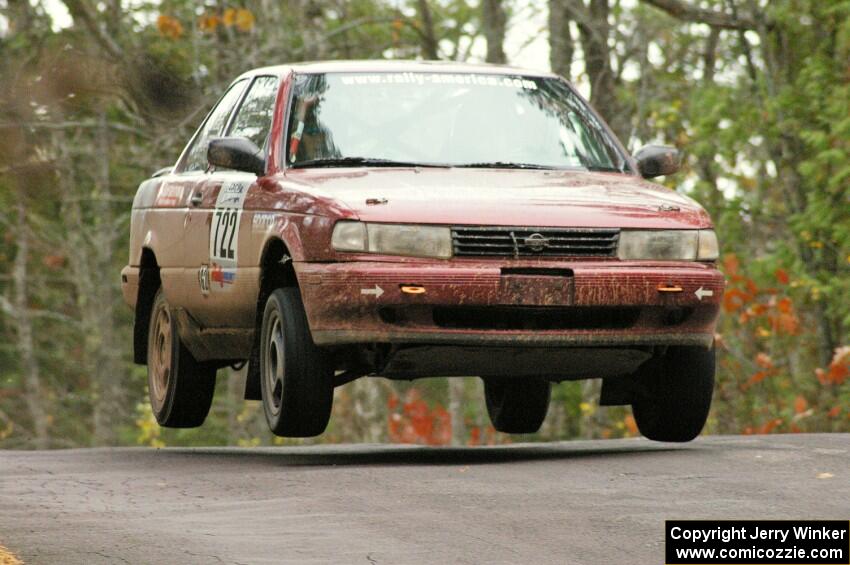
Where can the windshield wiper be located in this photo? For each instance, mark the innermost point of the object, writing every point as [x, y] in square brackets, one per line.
[501, 165]
[356, 161]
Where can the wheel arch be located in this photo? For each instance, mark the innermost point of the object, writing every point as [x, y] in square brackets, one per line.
[149, 283]
[276, 271]
[276, 268]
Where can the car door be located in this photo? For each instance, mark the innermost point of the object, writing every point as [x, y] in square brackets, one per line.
[225, 293]
[178, 191]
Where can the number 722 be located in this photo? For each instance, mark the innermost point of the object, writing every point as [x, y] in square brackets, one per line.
[225, 225]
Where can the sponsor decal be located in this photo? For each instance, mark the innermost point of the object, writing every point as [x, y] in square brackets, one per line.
[263, 219]
[222, 276]
[169, 196]
[232, 200]
[204, 278]
[422, 79]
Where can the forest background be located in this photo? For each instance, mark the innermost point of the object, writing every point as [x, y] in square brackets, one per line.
[96, 96]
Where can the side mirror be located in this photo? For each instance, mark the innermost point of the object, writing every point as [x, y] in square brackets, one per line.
[237, 153]
[162, 172]
[657, 161]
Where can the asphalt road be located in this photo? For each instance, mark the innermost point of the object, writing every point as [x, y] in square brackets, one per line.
[582, 502]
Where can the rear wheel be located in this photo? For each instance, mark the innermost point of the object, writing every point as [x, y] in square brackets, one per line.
[180, 388]
[517, 406]
[296, 378]
[673, 395]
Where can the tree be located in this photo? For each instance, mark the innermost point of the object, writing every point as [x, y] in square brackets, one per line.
[560, 39]
[755, 94]
[493, 23]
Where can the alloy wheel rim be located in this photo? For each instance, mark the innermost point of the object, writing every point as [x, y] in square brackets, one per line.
[274, 365]
[161, 363]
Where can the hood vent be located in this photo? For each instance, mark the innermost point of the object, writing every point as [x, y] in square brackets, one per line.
[534, 242]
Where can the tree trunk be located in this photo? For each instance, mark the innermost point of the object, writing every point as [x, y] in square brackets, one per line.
[493, 22]
[20, 19]
[560, 39]
[89, 247]
[595, 30]
[33, 393]
[312, 30]
[705, 163]
[430, 45]
[786, 153]
[107, 358]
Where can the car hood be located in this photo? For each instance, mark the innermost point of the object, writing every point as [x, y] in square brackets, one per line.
[506, 197]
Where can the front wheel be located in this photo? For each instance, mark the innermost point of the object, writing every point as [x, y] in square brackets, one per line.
[180, 388]
[517, 406]
[296, 378]
[673, 394]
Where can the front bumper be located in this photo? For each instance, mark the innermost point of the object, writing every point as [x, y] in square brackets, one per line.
[512, 303]
[130, 285]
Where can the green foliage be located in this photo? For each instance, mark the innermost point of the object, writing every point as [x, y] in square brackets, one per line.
[87, 112]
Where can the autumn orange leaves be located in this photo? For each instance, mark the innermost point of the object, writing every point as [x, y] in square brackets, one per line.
[412, 420]
[767, 326]
[239, 19]
[770, 311]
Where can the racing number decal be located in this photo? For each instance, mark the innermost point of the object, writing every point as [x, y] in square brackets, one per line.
[224, 234]
[225, 224]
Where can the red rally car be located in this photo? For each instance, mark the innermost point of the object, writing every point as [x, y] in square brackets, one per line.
[329, 221]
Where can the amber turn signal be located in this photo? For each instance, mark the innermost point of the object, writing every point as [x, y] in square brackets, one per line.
[669, 288]
[412, 289]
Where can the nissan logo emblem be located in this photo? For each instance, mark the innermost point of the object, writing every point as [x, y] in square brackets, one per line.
[536, 242]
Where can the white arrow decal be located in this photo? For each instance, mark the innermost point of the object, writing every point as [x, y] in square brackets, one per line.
[702, 293]
[377, 291]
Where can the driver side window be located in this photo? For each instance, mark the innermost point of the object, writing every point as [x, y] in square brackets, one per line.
[196, 156]
[254, 117]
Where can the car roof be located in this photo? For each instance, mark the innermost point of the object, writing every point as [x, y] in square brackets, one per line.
[395, 66]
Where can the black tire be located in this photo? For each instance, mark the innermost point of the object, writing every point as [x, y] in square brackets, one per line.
[673, 394]
[296, 379]
[180, 388]
[517, 406]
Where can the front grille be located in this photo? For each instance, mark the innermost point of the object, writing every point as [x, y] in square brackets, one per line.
[534, 242]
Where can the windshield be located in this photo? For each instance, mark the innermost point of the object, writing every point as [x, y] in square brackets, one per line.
[441, 119]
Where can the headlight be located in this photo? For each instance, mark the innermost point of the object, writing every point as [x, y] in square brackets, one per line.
[349, 236]
[709, 249]
[668, 245]
[391, 239]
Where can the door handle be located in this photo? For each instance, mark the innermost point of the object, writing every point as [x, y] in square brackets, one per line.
[197, 198]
